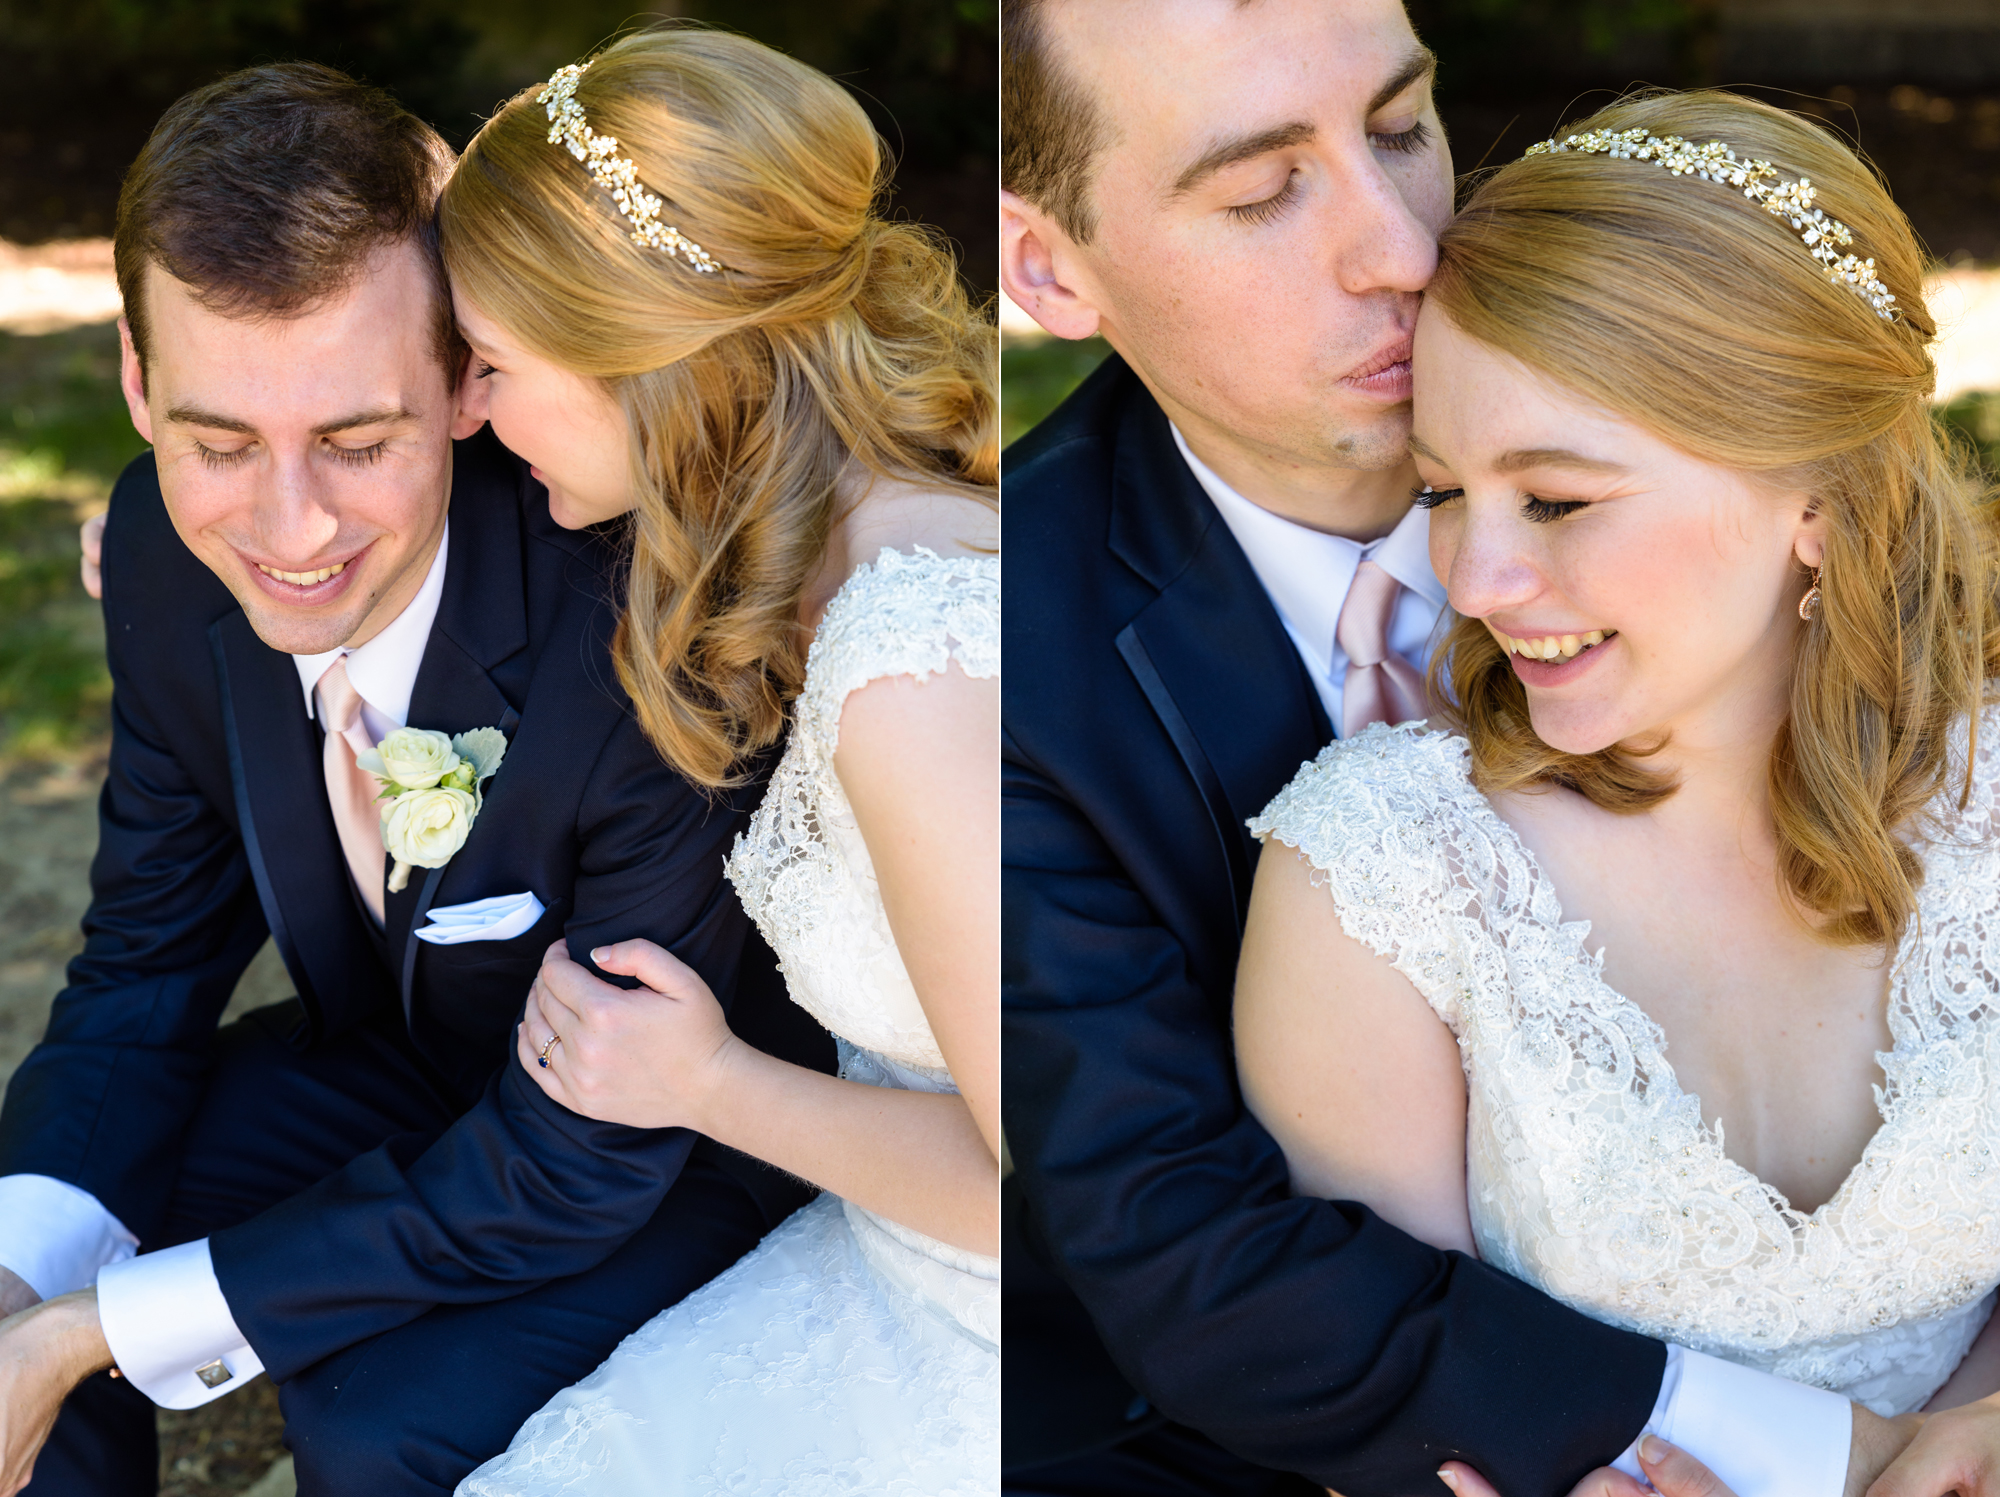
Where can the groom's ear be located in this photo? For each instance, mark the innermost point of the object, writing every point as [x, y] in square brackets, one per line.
[1040, 268]
[132, 380]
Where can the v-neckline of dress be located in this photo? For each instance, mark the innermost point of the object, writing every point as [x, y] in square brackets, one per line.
[1571, 934]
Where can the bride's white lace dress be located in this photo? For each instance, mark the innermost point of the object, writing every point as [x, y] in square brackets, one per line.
[846, 1353]
[1589, 1171]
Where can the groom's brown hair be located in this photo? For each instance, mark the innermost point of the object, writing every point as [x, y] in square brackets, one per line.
[1050, 128]
[266, 191]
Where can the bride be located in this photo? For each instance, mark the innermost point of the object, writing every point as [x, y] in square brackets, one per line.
[1662, 969]
[683, 306]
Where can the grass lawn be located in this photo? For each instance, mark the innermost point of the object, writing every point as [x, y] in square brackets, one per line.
[64, 435]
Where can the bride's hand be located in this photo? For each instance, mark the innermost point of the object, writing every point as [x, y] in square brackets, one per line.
[1957, 1450]
[648, 1057]
[1673, 1472]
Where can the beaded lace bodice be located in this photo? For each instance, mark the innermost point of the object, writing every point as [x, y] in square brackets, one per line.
[1589, 1170]
[801, 868]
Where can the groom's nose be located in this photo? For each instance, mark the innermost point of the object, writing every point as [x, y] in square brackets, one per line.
[1382, 244]
[296, 516]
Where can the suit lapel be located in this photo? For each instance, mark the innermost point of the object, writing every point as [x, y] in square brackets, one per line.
[287, 827]
[473, 673]
[1210, 652]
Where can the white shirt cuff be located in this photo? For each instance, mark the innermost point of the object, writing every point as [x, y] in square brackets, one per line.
[1762, 1436]
[56, 1236]
[170, 1330]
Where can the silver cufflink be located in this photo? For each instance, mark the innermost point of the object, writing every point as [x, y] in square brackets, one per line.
[215, 1374]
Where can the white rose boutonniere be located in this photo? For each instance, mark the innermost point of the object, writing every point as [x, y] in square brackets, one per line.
[432, 789]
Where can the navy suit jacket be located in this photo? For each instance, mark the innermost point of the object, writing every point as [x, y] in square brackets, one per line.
[215, 830]
[1152, 702]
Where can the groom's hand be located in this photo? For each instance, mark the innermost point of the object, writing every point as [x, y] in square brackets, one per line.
[1674, 1473]
[45, 1351]
[1875, 1444]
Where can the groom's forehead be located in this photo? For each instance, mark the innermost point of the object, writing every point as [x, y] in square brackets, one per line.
[365, 346]
[1173, 78]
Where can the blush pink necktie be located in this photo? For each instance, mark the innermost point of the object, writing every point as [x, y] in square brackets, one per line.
[350, 789]
[1381, 686]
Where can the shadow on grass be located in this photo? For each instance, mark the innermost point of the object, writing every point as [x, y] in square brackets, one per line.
[64, 436]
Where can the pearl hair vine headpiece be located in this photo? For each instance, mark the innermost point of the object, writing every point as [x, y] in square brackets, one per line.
[1792, 201]
[618, 175]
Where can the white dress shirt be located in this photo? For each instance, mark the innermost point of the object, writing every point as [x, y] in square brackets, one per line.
[169, 1328]
[1307, 573]
[1762, 1435]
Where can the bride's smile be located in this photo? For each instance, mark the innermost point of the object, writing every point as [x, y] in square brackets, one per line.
[1636, 590]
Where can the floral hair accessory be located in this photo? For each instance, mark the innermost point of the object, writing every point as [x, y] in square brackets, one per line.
[618, 175]
[1792, 201]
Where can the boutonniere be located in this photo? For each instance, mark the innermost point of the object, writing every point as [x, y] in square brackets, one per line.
[431, 792]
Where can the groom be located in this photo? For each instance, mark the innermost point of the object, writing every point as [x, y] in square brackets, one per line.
[358, 1192]
[1216, 567]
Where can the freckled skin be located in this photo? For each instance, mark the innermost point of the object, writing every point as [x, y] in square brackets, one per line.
[1247, 329]
[1699, 571]
[288, 496]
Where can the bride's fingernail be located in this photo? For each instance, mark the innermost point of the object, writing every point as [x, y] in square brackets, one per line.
[599, 953]
[1652, 1450]
[1449, 1478]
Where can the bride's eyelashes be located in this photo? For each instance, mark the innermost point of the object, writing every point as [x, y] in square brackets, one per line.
[1413, 139]
[484, 367]
[1266, 209]
[1540, 511]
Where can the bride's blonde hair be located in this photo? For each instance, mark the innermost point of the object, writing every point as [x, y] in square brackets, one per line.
[834, 342]
[1687, 309]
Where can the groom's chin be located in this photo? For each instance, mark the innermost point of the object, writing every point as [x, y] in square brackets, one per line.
[1379, 442]
[292, 629]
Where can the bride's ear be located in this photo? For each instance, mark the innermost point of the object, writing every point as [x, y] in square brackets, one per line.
[1040, 270]
[1809, 544]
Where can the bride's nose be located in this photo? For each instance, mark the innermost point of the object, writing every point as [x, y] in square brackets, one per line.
[1488, 564]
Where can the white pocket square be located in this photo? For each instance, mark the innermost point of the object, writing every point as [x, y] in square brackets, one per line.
[497, 919]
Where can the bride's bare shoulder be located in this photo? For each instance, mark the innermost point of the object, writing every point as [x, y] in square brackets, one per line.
[903, 515]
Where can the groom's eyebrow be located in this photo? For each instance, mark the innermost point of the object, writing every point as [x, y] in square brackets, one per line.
[1234, 148]
[194, 415]
[1419, 65]
[381, 415]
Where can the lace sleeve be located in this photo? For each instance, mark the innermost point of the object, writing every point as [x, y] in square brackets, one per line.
[906, 614]
[1369, 814]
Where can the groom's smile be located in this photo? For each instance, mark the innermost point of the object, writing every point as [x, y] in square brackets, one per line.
[306, 459]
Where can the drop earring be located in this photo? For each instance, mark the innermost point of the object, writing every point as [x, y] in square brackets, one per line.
[1809, 604]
